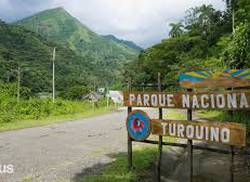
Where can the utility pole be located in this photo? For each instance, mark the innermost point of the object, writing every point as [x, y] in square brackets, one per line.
[18, 83]
[53, 79]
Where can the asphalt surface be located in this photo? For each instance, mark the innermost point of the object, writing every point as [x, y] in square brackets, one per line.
[75, 149]
[62, 151]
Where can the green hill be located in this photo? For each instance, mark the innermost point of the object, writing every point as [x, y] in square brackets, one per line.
[32, 53]
[59, 26]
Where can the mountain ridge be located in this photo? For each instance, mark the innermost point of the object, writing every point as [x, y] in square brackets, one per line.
[59, 26]
[31, 53]
[128, 43]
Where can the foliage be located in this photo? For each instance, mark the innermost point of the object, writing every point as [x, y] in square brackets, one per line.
[32, 54]
[59, 26]
[205, 41]
[102, 53]
[242, 9]
[83, 58]
[34, 108]
[129, 44]
[176, 29]
[237, 54]
[76, 92]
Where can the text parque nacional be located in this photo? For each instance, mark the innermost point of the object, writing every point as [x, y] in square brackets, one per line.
[227, 100]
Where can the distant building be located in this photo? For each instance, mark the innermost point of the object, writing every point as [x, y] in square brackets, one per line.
[115, 96]
[92, 96]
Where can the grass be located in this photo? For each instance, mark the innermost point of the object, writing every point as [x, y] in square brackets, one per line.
[118, 170]
[20, 124]
[175, 114]
[236, 116]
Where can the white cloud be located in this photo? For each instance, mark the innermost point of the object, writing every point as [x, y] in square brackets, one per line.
[143, 21]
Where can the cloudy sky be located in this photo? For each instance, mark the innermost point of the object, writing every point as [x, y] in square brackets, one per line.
[142, 21]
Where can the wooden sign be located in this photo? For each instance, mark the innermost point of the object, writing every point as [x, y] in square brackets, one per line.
[235, 100]
[230, 78]
[226, 133]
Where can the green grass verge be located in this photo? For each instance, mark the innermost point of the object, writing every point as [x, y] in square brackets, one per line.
[20, 124]
[236, 116]
[175, 114]
[118, 171]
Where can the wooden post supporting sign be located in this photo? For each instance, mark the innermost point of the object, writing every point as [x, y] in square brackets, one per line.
[160, 136]
[130, 149]
[190, 146]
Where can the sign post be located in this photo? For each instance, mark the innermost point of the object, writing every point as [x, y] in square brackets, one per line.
[232, 163]
[190, 145]
[140, 126]
[130, 150]
[160, 136]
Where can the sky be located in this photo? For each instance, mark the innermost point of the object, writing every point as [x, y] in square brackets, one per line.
[146, 22]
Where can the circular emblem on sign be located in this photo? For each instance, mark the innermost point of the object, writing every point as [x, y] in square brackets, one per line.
[138, 125]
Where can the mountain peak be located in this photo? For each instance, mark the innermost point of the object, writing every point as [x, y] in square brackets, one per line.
[60, 8]
[55, 10]
[56, 13]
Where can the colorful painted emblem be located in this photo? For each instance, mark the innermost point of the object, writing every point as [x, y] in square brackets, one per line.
[138, 125]
[229, 78]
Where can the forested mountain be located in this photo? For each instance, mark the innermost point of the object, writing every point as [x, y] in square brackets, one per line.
[59, 26]
[27, 53]
[126, 43]
[205, 39]
[84, 59]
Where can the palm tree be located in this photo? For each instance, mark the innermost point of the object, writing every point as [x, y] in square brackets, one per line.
[176, 30]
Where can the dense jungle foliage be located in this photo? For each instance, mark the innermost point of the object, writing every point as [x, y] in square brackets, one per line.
[26, 49]
[205, 38]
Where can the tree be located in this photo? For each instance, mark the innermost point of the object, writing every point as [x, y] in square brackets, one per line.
[176, 30]
[205, 21]
[237, 54]
[242, 11]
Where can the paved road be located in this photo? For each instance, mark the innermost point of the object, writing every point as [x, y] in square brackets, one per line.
[78, 148]
[62, 151]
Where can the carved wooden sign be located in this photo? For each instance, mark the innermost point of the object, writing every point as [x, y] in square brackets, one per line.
[229, 100]
[226, 133]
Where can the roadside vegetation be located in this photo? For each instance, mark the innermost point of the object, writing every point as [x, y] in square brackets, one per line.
[118, 170]
[206, 38]
[32, 111]
[224, 116]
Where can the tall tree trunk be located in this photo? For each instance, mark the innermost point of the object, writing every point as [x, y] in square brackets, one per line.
[233, 17]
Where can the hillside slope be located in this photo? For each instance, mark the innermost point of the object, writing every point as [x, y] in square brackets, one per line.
[126, 43]
[59, 26]
[32, 54]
